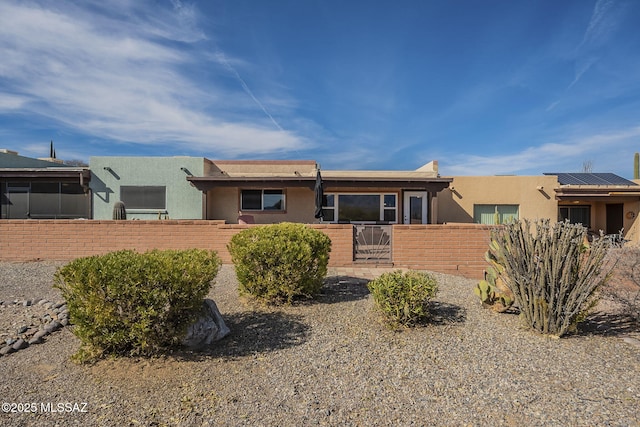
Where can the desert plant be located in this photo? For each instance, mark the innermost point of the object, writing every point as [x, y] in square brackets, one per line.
[119, 211]
[403, 298]
[128, 303]
[491, 290]
[277, 263]
[552, 270]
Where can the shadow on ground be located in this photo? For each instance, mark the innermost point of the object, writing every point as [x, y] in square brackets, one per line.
[339, 289]
[443, 313]
[608, 324]
[255, 332]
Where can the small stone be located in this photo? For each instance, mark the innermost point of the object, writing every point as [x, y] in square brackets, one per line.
[27, 303]
[10, 341]
[40, 334]
[6, 350]
[20, 344]
[42, 302]
[58, 304]
[64, 321]
[53, 326]
[22, 329]
[35, 340]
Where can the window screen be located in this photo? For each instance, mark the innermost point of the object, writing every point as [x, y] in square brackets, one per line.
[144, 197]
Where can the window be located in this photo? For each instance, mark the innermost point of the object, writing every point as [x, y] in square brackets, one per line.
[262, 200]
[360, 207]
[575, 214]
[494, 214]
[144, 197]
[45, 200]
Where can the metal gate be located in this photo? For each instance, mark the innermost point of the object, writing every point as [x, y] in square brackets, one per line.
[372, 243]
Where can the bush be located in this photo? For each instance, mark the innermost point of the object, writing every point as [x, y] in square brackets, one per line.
[127, 303]
[554, 272]
[403, 298]
[277, 263]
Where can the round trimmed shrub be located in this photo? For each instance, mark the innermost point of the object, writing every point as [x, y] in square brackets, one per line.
[403, 298]
[280, 262]
[130, 303]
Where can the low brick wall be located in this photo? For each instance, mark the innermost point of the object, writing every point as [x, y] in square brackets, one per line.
[453, 249]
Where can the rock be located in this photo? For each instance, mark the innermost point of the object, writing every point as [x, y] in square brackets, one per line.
[208, 328]
[20, 344]
[27, 303]
[53, 326]
[6, 350]
[22, 329]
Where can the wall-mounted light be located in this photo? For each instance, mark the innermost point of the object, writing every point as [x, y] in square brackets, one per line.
[452, 188]
[539, 188]
[185, 170]
[107, 168]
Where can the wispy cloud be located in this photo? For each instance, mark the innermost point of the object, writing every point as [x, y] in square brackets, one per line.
[568, 150]
[119, 71]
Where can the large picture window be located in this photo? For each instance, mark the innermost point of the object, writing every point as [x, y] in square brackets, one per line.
[494, 214]
[151, 197]
[262, 200]
[360, 207]
[575, 214]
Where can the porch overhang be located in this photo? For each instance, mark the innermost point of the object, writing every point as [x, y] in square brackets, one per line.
[599, 193]
[205, 183]
[80, 175]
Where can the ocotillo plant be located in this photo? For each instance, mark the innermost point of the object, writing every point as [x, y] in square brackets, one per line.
[553, 272]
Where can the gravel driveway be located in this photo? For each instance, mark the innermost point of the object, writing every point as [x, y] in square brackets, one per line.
[332, 362]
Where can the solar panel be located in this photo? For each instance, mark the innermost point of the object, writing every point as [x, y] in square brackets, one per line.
[590, 179]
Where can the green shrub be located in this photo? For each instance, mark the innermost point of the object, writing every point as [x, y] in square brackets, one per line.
[403, 298]
[128, 303]
[552, 270]
[277, 263]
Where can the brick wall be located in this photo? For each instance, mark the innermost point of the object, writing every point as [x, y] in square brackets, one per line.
[453, 249]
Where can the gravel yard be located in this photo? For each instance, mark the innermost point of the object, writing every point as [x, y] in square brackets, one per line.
[331, 362]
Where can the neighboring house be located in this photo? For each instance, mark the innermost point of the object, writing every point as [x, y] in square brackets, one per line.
[273, 191]
[42, 188]
[599, 201]
[150, 187]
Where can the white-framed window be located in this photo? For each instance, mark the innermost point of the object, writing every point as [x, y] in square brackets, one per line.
[575, 214]
[494, 214]
[361, 207]
[262, 200]
[144, 197]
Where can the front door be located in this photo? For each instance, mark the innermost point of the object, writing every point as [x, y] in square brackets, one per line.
[415, 207]
[615, 221]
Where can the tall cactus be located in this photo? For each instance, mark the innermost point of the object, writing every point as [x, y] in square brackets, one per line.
[553, 274]
[636, 166]
[119, 211]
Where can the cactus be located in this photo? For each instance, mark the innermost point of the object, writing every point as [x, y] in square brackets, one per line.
[119, 211]
[636, 166]
[491, 290]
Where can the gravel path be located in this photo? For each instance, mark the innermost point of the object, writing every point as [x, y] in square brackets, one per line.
[332, 362]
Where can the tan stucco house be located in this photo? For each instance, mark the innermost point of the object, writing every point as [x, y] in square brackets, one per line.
[276, 191]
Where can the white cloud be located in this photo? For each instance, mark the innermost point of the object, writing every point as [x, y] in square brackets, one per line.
[117, 78]
[549, 157]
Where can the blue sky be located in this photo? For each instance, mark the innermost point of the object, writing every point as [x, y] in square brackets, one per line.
[484, 87]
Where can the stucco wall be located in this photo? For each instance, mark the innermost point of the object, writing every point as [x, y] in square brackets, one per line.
[183, 201]
[456, 203]
[223, 203]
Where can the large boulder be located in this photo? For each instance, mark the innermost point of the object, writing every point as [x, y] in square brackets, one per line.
[208, 328]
